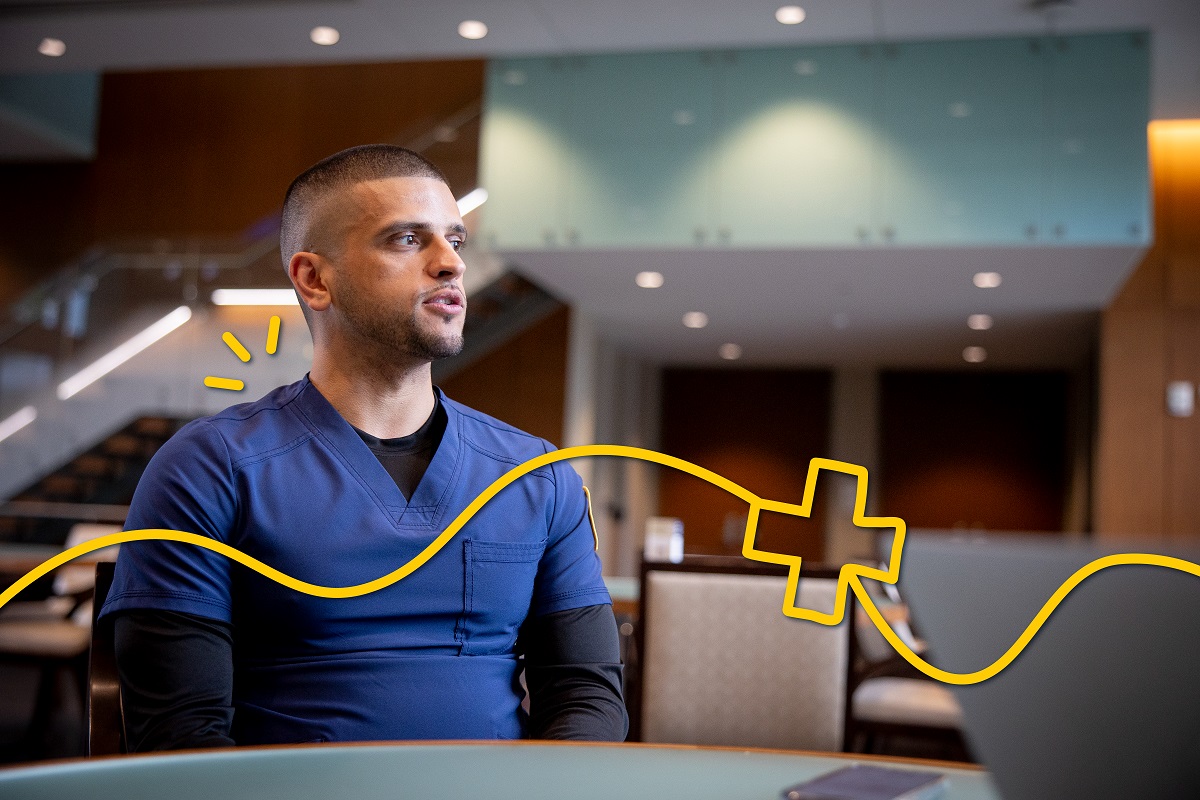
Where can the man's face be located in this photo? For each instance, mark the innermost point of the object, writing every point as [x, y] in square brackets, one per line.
[397, 279]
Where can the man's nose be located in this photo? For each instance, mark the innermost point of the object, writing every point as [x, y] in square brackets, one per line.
[447, 263]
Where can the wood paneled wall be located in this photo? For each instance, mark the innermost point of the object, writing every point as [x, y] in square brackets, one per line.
[210, 152]
[759, 428]
[522, 382]
[982, 450]
[1148, 463]
[44, 221]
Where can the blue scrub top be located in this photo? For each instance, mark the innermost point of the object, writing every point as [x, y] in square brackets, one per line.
[288, 481]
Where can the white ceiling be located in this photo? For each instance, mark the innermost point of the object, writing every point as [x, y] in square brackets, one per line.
[143, 34]
[892, 307]
[887, 307]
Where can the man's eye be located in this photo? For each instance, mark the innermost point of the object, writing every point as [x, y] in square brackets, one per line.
[457, 245]
[408, 238]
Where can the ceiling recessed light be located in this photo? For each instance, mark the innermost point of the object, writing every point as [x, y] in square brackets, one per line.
[805, 67]
[730, 351]
[986, 280]
[683, 117]
[324, 35]
[695, 319]
[974, 355]
[979, 322]
[472, 29]
[649, 280]
[52, 47]
[789, 15]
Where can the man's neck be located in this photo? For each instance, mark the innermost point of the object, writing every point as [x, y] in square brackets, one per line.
[387, 403]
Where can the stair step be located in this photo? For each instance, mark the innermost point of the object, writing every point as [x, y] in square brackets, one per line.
[105, 474]
[60, 487]
[124, 444]
[93, 465]
[161, 427]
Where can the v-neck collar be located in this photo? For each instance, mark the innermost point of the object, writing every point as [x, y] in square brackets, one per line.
[426, 509]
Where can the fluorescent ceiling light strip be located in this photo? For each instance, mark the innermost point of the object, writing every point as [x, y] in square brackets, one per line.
[17, 421]
[107, 363]
[254, 297]
[472, 200]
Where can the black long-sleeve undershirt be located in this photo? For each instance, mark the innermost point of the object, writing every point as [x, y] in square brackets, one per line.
[176, 680]
[573, 671]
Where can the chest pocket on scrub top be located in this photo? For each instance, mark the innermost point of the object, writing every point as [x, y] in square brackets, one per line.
[497, 592]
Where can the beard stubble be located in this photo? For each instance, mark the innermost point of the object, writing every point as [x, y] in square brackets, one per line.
[398, 331]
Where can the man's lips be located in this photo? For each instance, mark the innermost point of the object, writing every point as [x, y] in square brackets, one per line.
[446, 301]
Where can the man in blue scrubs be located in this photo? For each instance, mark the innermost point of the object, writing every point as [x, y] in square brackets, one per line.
[339, 479]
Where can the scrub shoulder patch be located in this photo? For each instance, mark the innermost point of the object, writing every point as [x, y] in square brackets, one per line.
[591, 519]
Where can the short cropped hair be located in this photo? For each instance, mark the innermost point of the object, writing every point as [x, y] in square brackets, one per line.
[366, 162]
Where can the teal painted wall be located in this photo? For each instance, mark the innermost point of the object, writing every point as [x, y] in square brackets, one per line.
[59, 107]
[982, 142]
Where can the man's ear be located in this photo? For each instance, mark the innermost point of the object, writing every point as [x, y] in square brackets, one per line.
[308, 272]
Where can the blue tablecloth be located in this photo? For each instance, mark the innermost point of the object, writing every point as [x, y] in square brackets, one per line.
[455, 770]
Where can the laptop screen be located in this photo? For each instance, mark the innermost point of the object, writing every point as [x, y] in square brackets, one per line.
[1105, 700]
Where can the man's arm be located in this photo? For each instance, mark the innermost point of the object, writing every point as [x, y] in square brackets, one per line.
[171, 602]
[573, 670]
[176, 680]
[572, 651]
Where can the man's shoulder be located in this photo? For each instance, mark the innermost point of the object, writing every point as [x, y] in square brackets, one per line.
[246, 428]
[274, 400]
[495, 436]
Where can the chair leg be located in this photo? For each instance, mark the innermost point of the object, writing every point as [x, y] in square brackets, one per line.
[43, 709]
[859, 740]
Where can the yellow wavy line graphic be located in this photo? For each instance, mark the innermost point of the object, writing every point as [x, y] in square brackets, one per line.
[850, 576]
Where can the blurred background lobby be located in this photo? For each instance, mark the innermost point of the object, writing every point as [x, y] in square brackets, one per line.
[954, 243]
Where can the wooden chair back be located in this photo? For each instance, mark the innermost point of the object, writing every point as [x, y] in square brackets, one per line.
[105, 720]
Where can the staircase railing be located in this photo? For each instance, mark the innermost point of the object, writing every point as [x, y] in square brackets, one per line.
[85, 306]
